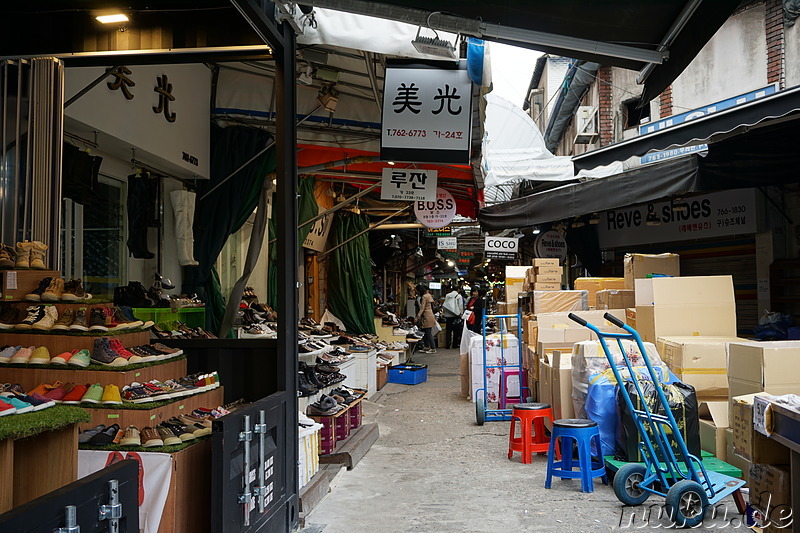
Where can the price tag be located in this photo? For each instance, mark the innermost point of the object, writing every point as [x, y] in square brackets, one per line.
[180, 408]
[113, 416]
[138, 374]
[152, 417]
[11, 281]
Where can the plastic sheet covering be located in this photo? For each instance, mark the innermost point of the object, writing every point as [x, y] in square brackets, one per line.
[682, 402]
[588, 359]
[560, 301]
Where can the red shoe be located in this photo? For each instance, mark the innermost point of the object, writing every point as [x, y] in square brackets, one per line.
[120, 350]
[74, 396]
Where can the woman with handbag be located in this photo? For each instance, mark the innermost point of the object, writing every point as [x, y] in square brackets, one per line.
[425, 318]
[475, 309]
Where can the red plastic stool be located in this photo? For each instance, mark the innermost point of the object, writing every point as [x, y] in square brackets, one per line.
[502, 393]
[532, 437]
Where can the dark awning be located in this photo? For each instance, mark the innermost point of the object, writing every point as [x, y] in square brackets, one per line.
[674, 177]
[624, 33]
[706, 129]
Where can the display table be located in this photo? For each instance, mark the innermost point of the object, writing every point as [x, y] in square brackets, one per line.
[38, 453]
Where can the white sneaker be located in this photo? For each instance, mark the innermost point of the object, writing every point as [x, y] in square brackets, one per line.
[48, 320]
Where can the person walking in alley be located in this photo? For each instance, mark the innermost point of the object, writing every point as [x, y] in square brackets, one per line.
[425, 318]
[453, 309]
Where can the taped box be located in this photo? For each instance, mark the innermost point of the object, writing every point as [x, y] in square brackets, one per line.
[749, 443]
[615, 299]
[699, 361]
[640, 266]
[546, 262]
[559, 301]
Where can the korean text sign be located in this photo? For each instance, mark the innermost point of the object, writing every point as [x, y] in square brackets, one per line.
[410, 184]
[427, 114]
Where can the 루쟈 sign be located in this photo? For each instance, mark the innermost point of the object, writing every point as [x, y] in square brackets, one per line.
[409, 184]
[436, 214]
[426, 113]
[501, 248]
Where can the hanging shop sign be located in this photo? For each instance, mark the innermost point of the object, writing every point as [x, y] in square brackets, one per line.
[435, 285]
[717, 214]
[693, 114]
[159, 111]
[439, 232]
[551, 243]
[436, 214]
[465, 258]
[427, 113]
[408, 184]
[501, 248]
[447, 243]
[318, 235]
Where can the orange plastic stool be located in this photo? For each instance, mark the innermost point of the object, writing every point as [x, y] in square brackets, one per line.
[532, 437]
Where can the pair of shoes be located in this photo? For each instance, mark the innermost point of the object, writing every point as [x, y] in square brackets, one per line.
[57, 290]
[23, 255]
[326, 406]
[108, 395]
[99, 435]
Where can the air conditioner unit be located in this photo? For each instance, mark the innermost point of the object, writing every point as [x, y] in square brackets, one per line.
[586, 125]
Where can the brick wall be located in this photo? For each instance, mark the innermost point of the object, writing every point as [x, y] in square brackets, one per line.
[776, 54]
[665, 103]
[605, 112]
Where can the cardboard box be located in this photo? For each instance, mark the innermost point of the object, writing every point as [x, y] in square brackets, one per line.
[749, 443]
[770, 493]
[630, 317]
[615, 299]
[772, 367]
[561, 385]
[713, 424]
[639, 266]
[546, 262]
[546, 271]
[699, 362]
[545, 381]
[689, 306]
[548, 278]
[559, 301]
[732, 459]
[463, 371]
[594, 285]
[532, 333]
[546, 286]
[562, 320]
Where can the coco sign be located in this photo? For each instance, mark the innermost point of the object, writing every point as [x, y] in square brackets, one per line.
[439, 213]
[501, 248]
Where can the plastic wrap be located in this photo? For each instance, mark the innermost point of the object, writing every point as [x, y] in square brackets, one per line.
[588, 359]
[560, 301]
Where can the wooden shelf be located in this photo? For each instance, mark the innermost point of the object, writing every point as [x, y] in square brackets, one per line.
[27, 282]
[60, 343]
[151, 417]
[32, 375]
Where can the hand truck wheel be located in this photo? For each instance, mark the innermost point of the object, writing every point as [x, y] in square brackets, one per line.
[626, 484]
[686, 503]
[480, 411]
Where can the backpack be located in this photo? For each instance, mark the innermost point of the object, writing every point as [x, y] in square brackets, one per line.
[453, 305]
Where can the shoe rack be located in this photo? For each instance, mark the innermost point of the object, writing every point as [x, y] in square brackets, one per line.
[24, 281]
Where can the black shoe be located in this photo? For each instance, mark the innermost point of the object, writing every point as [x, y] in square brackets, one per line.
[305, 388]
[310, 375]
[106, 436]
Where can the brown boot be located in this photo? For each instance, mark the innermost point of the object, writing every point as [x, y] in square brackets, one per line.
[7, 257]
[54, 292]
[23, 254]
[38, 250]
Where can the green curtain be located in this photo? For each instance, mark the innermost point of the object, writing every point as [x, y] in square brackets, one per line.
[225, 210]
[307, 209]
[350, 274]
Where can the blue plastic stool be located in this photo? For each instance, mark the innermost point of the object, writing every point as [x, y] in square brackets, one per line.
[582, 432]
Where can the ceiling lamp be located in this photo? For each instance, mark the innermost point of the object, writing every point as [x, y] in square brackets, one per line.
[578, 223]
[434, 46]
[652, 219]
[112, 18]
[306, 77]
[594, 219]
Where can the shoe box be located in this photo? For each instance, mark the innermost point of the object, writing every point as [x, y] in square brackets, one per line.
[17, 283]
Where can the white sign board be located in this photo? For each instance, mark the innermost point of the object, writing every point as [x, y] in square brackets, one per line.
[160, 110]
[447, 243]
[318, 235]
[501, 247]
[435, 285]
[551, 243]
[408, 184]
[709, 215]
[427, 113]
[436, 214]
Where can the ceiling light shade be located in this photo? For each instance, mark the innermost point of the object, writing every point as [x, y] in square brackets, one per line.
[112, 18]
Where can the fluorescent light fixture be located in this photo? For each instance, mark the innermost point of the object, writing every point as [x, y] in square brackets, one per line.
[390, 163]
[434, 46]
[536, 231]
[112, 18]
[450, 263]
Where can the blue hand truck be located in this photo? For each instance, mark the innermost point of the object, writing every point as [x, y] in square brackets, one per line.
[688, 491]
[482, 411]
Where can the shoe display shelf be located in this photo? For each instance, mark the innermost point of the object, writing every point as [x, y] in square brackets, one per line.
[150, 414]
[58, 343]
[29, 376]
[38, 453]
[347, 368]
[338, 427]
[166, 317]
[362, 376]
[384, 333]
[15, 284]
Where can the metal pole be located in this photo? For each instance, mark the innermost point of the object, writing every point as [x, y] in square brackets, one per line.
[91, 86]
[269, 145]
[360, 233]
[373, 82]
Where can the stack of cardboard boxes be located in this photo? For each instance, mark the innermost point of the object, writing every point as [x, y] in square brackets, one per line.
[594, 286]
[545, 275]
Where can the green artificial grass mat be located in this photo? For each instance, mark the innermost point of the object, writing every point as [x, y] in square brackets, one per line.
[30, 424]
[104, 368]
[142, 406]
[159, 449]
[72, 333]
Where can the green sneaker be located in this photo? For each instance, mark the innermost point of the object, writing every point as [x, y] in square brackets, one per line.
[94, 394]
[81, 359]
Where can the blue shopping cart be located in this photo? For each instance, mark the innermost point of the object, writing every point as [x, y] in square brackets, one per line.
[688, 489]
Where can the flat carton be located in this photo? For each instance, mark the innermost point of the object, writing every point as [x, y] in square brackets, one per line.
[548, 278]
[546, 286]
[532, 333]
[639, 266]
[559, 301]
[546, 271]
[561, 385]
[615, 299]
[630, 316]
[713, 424]
[770, 493]
[594, 285]
[749, 443]
[545, 381]
[735, 460]
[773, 365]
[699, 362]
[546, 261]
